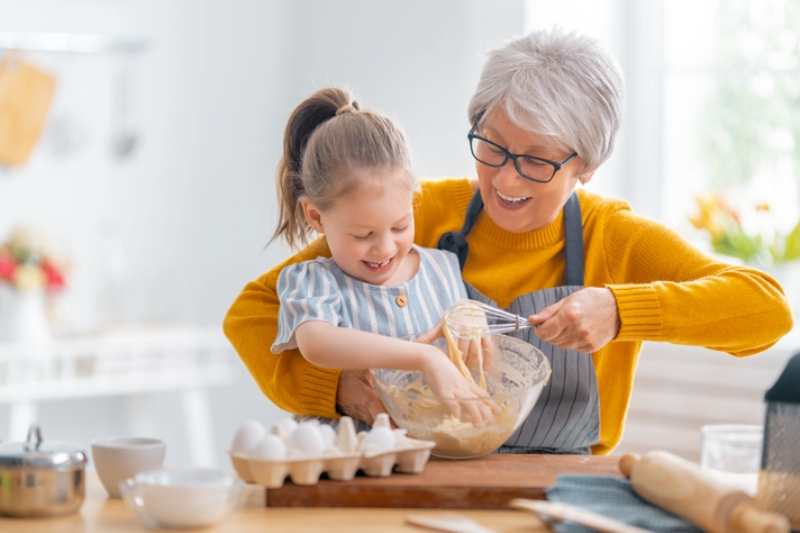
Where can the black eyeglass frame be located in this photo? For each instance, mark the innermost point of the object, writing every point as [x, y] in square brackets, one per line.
[515, 157]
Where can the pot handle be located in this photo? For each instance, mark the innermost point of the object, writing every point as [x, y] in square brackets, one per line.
[33, 432]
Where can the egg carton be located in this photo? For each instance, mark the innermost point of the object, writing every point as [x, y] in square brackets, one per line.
[377, 452]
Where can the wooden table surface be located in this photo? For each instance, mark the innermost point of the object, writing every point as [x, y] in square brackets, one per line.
[100, 514]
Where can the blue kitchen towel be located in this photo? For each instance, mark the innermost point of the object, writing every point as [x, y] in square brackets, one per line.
[613, 497]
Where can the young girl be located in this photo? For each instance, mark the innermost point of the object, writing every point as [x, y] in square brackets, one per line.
[346, 174]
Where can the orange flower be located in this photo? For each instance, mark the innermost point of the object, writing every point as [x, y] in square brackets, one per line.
[708, 216]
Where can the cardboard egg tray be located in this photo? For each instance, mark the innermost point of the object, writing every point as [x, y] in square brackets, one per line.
[408, 455]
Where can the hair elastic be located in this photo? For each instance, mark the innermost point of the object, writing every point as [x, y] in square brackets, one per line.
[345, 109]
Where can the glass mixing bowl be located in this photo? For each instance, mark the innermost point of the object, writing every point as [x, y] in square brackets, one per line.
[518, 373]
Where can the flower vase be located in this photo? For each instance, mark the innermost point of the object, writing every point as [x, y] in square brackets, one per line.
[23, 316]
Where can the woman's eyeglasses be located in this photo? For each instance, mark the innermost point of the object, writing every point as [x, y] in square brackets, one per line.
[529, 167]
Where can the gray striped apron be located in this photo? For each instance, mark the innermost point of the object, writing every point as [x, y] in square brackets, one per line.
[566, 418]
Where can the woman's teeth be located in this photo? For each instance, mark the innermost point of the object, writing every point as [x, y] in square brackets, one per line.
[511, 199]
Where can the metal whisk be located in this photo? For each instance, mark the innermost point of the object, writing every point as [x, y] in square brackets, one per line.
[471, 318]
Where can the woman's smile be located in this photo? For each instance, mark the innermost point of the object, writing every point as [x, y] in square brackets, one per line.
[512, 202]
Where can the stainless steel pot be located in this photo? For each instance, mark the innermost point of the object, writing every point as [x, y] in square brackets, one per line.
[40, 478]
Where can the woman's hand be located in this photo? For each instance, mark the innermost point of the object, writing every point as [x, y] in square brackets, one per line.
[357, 398]
[585, 320]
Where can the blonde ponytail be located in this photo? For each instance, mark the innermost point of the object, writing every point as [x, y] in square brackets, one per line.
[327, 141]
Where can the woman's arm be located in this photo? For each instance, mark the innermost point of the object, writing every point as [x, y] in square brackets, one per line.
[669, 291]
[664, 290]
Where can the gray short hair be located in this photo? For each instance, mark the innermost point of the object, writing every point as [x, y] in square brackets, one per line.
[563, 86]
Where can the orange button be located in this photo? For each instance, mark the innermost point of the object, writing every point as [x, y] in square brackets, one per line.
[401, 300]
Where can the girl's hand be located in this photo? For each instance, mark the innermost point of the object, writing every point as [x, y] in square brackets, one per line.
[585, 320]
[467, 347]
[473, 351]
[469, 402]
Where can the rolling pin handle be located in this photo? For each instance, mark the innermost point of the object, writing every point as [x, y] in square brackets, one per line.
[627, 462]
[747, 518]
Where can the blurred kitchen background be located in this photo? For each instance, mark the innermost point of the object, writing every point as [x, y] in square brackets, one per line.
[153, 174]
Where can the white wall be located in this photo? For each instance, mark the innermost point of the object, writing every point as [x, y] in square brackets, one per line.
[187, 209]
[188, 203]
[192, 208]
[416, 61]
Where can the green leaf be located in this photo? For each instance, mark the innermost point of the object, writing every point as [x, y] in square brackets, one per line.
[738, 244]
[791, 251]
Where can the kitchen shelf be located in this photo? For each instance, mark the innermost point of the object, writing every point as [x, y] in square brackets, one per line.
[76, 43]
[120, 362]
[128, 362]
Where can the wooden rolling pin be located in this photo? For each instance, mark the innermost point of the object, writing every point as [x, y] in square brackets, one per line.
[684, 489]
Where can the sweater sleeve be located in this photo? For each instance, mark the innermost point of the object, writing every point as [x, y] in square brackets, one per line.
[668, 291]
[251, 324]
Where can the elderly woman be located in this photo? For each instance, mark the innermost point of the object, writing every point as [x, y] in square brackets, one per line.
[595, 278]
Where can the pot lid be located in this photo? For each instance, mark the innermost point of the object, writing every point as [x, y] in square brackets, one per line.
[37, 454]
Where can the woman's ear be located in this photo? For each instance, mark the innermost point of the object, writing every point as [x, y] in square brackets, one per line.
[313, 216]
[586, 177]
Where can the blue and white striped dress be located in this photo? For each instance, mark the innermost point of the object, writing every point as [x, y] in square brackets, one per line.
[319, 290]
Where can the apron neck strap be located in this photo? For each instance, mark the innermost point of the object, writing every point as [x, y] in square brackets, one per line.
[456, 241]
[573, 242]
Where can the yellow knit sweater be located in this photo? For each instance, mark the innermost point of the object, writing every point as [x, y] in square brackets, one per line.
[666, 291]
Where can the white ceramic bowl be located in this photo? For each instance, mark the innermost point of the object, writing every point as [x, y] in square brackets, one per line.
[118, 458]
[182, 498]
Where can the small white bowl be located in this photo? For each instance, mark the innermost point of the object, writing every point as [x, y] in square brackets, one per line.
[182, 498]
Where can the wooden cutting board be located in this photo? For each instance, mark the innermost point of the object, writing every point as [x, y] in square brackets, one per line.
[486, 483]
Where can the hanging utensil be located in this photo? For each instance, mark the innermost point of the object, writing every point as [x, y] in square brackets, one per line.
[124, 136]
[25, 96]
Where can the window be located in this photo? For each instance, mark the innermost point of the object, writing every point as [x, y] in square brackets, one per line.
[713, 100]
[731, 119]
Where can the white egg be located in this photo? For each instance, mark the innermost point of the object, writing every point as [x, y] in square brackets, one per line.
[346, 438]
[270, 447]
[328, 435]
[247, 436]
[382, 421]
[284, 427]
[380, 439]
[399, 434]
[307, 440]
